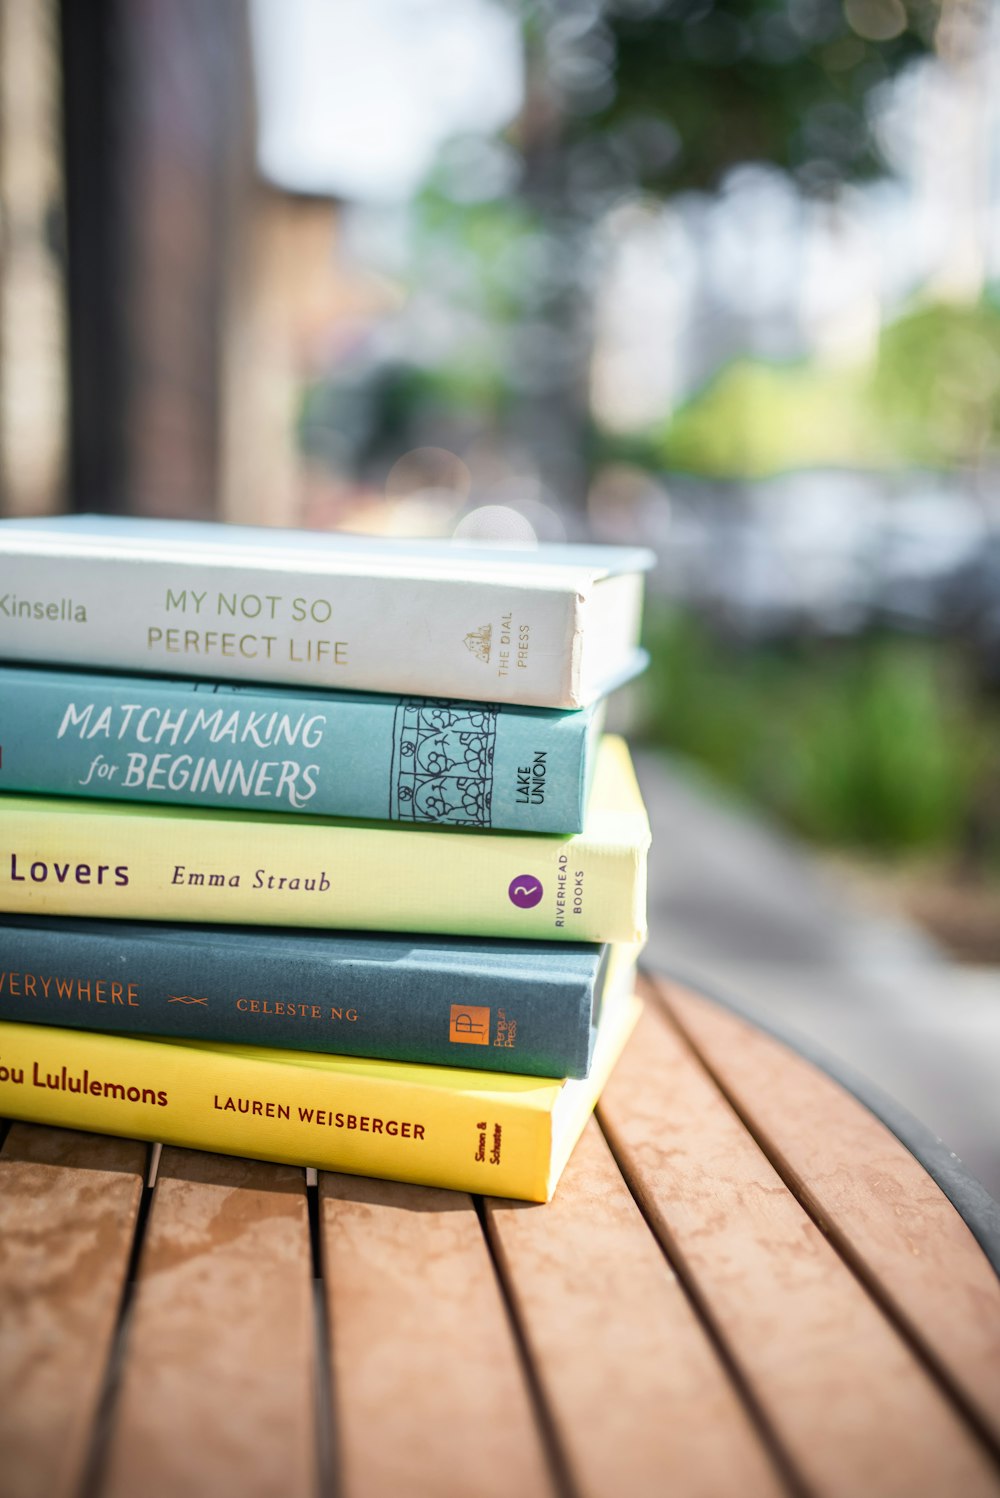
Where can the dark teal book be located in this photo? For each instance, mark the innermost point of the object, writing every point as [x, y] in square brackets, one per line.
[490, 1005]
[328, 753]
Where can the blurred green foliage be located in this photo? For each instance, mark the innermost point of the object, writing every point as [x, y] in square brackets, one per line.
[931, 399]
[875, 742]
[681, 90]
[757, 419]
[936, 386]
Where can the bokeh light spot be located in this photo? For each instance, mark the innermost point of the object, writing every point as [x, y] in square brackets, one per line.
[498, 523]
[428, 468]
[876, 20]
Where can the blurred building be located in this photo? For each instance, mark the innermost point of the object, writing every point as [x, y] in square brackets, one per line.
[162, 304]
[33, 329]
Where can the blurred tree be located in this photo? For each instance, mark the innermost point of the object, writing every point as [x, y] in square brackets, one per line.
[624, 99]
[654, 96]
[744, 80]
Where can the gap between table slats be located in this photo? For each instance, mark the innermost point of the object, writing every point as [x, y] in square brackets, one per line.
[640, 1400]
[69, 1206]
[855, 1412]
[873, 1199]
[216, 1389]
[430, 1395]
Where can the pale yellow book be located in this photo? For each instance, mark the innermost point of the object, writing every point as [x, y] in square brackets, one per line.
[491, 1133]
[125, 861]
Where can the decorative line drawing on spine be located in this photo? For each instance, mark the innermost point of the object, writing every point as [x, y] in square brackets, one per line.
[442, 762]
[185, 998]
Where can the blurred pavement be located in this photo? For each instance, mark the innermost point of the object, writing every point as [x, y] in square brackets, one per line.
[747, 912]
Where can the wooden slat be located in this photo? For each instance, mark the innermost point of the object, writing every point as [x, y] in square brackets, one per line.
[851, 1405]
[428, 1388]
[640, 1401]
[874, 1199]
[218, 1386]
[68, 1208]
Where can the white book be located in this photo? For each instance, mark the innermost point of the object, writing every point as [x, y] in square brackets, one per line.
[554, 626]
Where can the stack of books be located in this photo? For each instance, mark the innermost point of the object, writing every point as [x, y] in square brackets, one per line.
[312, 847]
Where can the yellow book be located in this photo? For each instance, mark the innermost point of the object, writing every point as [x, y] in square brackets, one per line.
[181, 863]
[491, 1133]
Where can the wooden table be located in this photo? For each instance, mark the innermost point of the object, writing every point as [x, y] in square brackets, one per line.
[745, 1285]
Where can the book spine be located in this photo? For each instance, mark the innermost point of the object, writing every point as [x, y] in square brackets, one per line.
[398, 1005]
[469, 638]
[243, 1101]
[157, 863]
[404, 759]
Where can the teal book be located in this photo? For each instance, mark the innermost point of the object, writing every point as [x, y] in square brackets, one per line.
[327, 753]
[490, 1005]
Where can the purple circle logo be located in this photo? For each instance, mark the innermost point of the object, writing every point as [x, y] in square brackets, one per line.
[525, 891]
